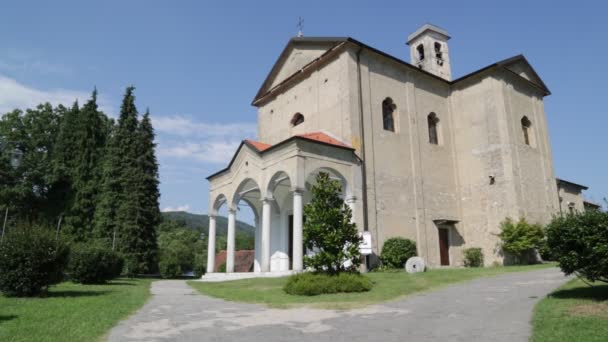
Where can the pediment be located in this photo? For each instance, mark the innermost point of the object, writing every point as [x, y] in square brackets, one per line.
[520, 66]
[298, 53]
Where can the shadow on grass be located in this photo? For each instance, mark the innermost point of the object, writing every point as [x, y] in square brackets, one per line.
[120, 283]
[4, 318]
[596, 293]
[74, 293]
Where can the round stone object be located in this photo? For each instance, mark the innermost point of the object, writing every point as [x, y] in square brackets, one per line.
[415, 265]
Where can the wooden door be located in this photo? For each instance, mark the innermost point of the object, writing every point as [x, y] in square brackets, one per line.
[444, 246]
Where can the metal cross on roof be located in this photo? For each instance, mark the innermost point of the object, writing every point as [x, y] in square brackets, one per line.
[300, 26]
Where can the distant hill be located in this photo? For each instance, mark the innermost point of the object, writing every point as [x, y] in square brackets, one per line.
[201, 223]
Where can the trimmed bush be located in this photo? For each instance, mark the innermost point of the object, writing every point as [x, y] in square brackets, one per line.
[579, 243]
[170, 267]
[473, 257]
[93, 264]
[31, 260]
[396, 251]
[312, 284]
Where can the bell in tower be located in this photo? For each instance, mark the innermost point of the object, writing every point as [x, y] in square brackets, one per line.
[429, 50]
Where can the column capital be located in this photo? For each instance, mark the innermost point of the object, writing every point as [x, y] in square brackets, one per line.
[212, 216]
[351, 199]
[232, 211]
[296, 190]
[267, 200]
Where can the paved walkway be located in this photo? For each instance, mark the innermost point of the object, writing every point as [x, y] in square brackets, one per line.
[486, 309]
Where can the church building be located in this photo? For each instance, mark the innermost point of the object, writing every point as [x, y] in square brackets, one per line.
[420, 155]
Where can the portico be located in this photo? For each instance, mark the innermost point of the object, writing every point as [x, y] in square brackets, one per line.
[275, 182]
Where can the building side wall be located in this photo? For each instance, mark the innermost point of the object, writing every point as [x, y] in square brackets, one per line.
[412, 182]
[570, 194]
[533, 174]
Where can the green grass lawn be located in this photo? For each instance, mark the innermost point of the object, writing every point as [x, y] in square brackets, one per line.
[71, 312]
[388, 285]
[574, 312]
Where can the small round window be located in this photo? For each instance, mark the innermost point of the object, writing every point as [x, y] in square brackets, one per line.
[297, 119]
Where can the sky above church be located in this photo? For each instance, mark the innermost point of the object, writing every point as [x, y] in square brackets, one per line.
[197, 66]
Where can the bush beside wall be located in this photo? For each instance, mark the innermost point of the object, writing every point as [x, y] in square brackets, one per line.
[473, 257]
[396, 251]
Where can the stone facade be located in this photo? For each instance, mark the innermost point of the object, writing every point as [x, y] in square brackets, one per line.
[488, 158]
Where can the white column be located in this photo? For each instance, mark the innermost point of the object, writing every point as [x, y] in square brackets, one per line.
[211, 245]
[266, 211]
[230, 248]
[351, 203]
[297, 261]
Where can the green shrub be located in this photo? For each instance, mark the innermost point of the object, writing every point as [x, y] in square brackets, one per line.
[520, 238]
[312, 284]
[199, 266]
[579, 243]
[31, 260]
[93, 264]
[473, 257]
[396, 251]
[170, 267]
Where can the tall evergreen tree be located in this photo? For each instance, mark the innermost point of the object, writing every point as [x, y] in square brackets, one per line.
[90, 141]
[149, 192]
[109, 198]
[136, 238]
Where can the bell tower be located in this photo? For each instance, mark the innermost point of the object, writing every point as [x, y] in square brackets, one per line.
[429, 50]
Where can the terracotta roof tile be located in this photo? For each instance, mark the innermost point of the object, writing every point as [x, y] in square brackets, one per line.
[260, 146]
[324, 138]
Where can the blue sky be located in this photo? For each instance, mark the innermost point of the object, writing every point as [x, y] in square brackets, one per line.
[197, 66]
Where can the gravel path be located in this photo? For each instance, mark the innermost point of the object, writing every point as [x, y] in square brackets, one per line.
[486, 309]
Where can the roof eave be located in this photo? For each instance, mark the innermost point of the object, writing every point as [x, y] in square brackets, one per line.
[273, 147]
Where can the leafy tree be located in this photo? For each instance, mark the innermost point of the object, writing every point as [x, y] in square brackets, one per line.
[31, 134]
[179, 247]
[520, 238]
[579, 242]
[328, 230]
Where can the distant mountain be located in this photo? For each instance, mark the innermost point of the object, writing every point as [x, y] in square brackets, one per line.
[201, 223]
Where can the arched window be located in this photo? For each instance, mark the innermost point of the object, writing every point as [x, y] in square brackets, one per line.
[388, 120]
[438, 53]
[297, 119]
[420, 49]
[525, 126]
[433, 121]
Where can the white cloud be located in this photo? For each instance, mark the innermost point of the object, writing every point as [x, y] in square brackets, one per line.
[17, 95]
[183, 138]
[208, 151]
[181, 126]
[184, 207]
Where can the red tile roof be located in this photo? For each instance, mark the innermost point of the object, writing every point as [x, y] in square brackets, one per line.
[260, 146]
[324, 138]
[243, 260]
[315, 136]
